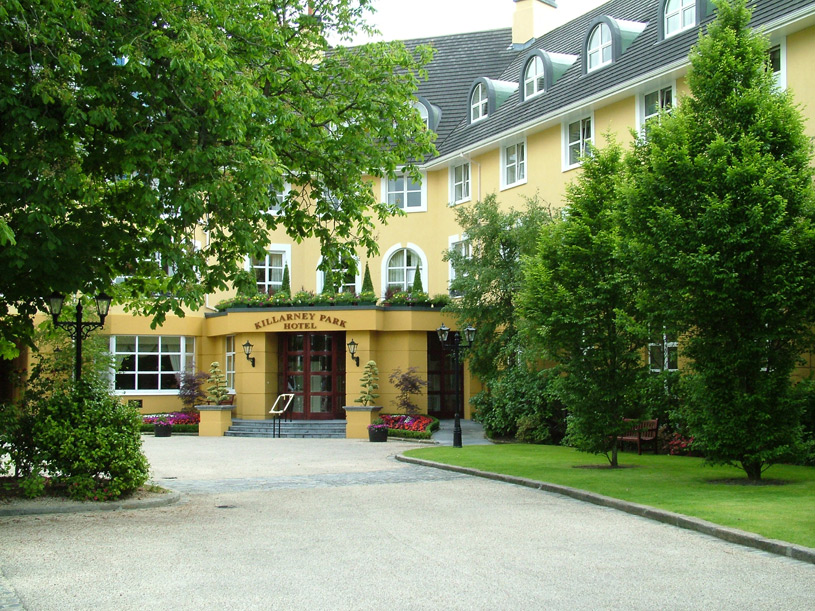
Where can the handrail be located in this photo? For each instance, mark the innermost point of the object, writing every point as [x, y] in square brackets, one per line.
[278, 413]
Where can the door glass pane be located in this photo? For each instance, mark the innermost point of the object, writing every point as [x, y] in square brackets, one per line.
[296, 342]
[320, 405]
[320, 383]
[296, 363]
[321, 343]
[295, 384]
[320, 363]
[297, 404]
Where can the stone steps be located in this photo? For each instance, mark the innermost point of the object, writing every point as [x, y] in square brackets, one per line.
[315, 429]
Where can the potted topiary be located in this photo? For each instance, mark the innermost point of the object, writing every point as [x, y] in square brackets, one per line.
[377, 430]
[218, 390]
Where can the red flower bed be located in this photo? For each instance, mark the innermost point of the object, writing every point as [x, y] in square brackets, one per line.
[173, 418]
[407, 423]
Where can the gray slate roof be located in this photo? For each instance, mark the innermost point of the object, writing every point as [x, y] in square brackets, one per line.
[461, 58]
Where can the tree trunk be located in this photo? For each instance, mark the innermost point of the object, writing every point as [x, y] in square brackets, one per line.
[614, 456]
[752, 469]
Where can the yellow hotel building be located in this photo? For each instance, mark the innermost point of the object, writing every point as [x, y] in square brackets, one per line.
[513, 109]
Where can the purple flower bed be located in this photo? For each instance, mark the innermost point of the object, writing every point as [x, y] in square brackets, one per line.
[172, 418]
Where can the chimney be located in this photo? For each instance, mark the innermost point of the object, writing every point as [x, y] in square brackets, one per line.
[532, 18]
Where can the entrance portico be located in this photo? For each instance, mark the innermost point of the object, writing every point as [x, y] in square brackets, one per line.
[303, 351]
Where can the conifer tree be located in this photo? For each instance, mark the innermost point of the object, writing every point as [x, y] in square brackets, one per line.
[720, 225]
[367, 283]
[286, 284]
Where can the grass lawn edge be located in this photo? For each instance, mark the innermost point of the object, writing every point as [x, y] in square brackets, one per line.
[726, 533]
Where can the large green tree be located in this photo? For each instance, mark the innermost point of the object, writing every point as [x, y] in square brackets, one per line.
[578, 302]
[487, 278]
[148, 139]
[720, 222]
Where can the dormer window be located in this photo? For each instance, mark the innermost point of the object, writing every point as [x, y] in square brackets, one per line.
[425, 116]
[607, 39]
[487, 96]
[680, 15]
[479, 106]
[430, 113]
[534, 82]
[599, 50]
[541, 70]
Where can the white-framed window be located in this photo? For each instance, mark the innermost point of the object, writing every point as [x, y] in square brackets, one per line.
[229, 361]
[533, 77]
[652, 104]
[406, 193]
[423, 113]
[777, 63]
[276, 199]
[578, 135]
[513, 164]
[663, 353]
[479, 106]
[679, 15]
[402, 266]
[148, 364]
[598, 49]
[461, 246]
[348, 280]
[460, 183]
[400, 263]
[269, 271]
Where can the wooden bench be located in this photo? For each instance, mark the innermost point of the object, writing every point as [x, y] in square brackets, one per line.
[641, 432]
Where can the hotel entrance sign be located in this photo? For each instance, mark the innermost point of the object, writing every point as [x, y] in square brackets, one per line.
[301, 321]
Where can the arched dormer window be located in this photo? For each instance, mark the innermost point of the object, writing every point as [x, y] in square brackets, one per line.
[677, 16]
[487, 95]
[541, 70]
[607, 39]
[430, 113]
[534, 82]
[598, 50]
[479, 103]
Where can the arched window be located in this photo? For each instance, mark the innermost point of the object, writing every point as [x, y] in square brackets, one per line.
[679, 15]
[598, 49]
[478, 103]
[533, 77]
[423, 113]
[402, 267]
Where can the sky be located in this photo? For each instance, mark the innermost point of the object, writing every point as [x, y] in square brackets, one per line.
[404, 19]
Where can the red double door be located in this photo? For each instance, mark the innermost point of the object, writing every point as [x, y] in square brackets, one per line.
[312, 366]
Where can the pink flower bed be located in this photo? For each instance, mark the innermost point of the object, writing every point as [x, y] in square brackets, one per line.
[173, 418]
[407, 423]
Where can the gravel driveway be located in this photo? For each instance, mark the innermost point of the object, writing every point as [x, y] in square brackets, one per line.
[339, 524]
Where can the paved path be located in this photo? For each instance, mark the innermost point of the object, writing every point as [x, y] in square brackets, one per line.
[339, 524]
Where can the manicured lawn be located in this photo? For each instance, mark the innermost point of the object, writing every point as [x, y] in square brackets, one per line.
[680, 484]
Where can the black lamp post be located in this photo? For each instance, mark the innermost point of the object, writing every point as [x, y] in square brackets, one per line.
[77, 328]
[457, 346]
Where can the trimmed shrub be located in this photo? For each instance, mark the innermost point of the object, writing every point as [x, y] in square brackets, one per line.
[90, 442]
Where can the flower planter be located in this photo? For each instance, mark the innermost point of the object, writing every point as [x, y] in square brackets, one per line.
[378, 435]
[162, 430]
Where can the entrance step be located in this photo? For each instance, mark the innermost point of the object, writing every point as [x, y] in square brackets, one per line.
[322, 429]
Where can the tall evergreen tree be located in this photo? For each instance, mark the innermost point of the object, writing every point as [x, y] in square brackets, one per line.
[577, 304]
[720, 224]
